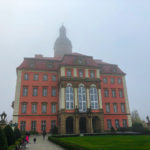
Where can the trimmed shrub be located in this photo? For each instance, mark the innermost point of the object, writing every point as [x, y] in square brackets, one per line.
[9, 135]
[112, 129]
[3, 140]
[137, 127]
[54, 130]
[17, 133]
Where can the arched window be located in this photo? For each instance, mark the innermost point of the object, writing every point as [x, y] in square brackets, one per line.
[69, 97]
[94, 98]
[82, 99]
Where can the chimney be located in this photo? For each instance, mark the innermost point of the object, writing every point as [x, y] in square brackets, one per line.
[38, 56]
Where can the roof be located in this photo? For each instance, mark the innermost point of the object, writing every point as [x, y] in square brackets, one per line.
[75, 59]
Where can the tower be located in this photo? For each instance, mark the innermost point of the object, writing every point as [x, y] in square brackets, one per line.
[62, 44]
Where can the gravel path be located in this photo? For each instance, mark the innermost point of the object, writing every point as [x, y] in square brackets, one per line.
[42, 144]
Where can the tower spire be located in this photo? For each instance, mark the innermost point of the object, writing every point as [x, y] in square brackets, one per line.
[62, 44]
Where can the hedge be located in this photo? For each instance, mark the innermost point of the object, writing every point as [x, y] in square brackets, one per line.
[17, 143]
[66, 145]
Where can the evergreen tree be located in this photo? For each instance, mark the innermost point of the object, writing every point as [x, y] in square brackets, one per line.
[9, 135]
[17, 133]
[3, 141]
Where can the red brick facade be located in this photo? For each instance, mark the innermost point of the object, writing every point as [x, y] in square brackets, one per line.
[71, 91]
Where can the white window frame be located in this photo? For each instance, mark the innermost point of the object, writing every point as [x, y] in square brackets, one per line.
[122, 107]
[44, 107]
[53, 107]
[43, 125]
[82, 99]
[94, 98]
[69, 98]
[44, 91]
[107, 107]
[34, 107]
[115, 107]
[24, 108]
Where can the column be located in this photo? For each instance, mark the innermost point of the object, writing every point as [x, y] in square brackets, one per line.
[88, 98]
[75, 72]
[63, 125]
[100, 98]
[75, 97]
[89, 124]
[76, 125]
[62, 98]
[86, 73]
[62, 71]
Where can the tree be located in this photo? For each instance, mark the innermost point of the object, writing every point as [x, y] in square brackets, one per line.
[137, 127]
[3, 140]
[9, 135]
[135, 116]
[17, 133]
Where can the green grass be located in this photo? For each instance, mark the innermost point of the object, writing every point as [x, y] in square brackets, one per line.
[114, 142]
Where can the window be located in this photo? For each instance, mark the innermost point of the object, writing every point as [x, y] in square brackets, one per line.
[45, 77]
[92, 74]
[115, 107]
[44, 107]
[23, 107]
[69, 97]
[94, 98]
[81, 73]
[36, 77]
[33, 125]
[53, 91]
[117, 123]
[25, 91]
[35, 91]
[124, 123]
[106, 93]
[26, 77]
[123, 107]
[43, 125]
[113, 91]
[120, 93]
[54, 78]
[53, 124]
[119, 80]
[53, 108]
[44, 91]
[109, 124]
[22, 125]
[107, 107]
[112, 80]
[69, 73]
[34, 107]
[82, 99]
[105, 80]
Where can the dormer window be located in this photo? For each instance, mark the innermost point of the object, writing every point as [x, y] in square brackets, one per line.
[50, 65]
[81, 73]
[92, 74]
[69, 73]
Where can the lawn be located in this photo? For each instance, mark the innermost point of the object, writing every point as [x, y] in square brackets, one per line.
[110, 142]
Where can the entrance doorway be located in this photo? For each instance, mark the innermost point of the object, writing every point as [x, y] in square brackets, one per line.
[69, 125]
[96, 124]
[82, 125]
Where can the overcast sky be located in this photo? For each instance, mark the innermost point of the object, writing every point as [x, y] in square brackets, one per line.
[116, 31]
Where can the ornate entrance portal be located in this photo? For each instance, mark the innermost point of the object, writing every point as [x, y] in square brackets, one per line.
[82, 125]
[69, 125]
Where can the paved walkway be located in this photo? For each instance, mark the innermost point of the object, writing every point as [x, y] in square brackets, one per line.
[42, 144]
